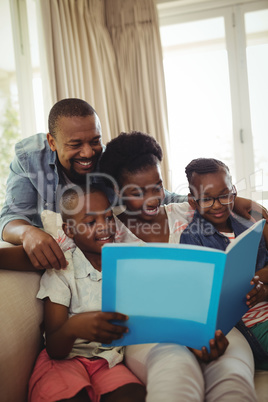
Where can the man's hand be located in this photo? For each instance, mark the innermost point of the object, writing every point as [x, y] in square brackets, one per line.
[218, 345]
[42, 250]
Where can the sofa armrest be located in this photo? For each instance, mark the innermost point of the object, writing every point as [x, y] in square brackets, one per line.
[21, 315]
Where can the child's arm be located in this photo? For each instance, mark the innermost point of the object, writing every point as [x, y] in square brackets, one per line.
[218, 345]
[260, 292]
[263, 274]
[15, 258]
[61, 331]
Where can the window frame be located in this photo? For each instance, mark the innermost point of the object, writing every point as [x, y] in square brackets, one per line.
[173, 12]
[19, 20]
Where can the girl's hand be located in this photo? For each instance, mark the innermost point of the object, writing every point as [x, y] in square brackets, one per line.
[257, 294]
[218, 345]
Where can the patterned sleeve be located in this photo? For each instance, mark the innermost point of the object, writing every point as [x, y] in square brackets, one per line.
[184, 211]
[55, 284]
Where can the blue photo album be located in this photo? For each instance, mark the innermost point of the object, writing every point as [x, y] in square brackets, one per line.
[179, 293]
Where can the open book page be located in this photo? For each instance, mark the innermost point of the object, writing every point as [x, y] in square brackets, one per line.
[178, 293]
[170, 294]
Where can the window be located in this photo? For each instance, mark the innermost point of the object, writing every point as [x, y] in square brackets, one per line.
[21, 101]
[256, 27]
[39, 115]
[10, 129]
[216, 64]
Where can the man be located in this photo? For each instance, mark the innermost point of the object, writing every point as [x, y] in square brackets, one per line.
[42, 168]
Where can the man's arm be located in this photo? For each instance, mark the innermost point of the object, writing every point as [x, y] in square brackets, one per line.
[21, 212]
[173, 197]
[20, 208]
[15, 258]
[42, 250]
[249, 209]
[21, 202]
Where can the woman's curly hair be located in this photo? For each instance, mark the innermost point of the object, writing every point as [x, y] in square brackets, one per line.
[130, 153]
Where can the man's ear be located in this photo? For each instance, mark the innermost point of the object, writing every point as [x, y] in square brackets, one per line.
[68, 230]
[51, 142]
[191, 201]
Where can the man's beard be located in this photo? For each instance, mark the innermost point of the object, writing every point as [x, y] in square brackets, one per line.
[77, 178]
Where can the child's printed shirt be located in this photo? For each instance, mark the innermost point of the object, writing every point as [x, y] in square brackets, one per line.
[78, 287]
[256, 314]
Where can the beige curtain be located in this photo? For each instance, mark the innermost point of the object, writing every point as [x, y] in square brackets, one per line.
[80, 58]
[134, 29]
[118, 70]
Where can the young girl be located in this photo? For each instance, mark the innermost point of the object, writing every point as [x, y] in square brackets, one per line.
[74, 366]
[171, 372]
[212, 197]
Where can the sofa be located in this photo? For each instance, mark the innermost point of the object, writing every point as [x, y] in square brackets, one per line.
[21, 316]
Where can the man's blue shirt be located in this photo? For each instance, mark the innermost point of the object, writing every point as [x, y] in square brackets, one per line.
[35, 182]
[32, 182]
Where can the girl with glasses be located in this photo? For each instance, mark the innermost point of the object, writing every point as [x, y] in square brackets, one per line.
[214, 225]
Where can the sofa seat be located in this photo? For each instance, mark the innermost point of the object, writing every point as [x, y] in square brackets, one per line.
[21, 316]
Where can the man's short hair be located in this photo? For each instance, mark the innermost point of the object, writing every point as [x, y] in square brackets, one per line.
[69, 107]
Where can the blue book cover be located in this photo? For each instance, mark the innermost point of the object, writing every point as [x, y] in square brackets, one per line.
[178, 293]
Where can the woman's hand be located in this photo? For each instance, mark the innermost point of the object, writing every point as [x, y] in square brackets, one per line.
[218, 345]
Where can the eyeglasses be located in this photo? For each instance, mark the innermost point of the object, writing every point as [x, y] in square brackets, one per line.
[224, 199]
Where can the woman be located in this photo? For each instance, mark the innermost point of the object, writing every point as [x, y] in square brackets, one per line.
[171, 372]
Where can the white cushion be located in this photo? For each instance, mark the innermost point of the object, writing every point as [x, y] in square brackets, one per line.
[52, 222]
